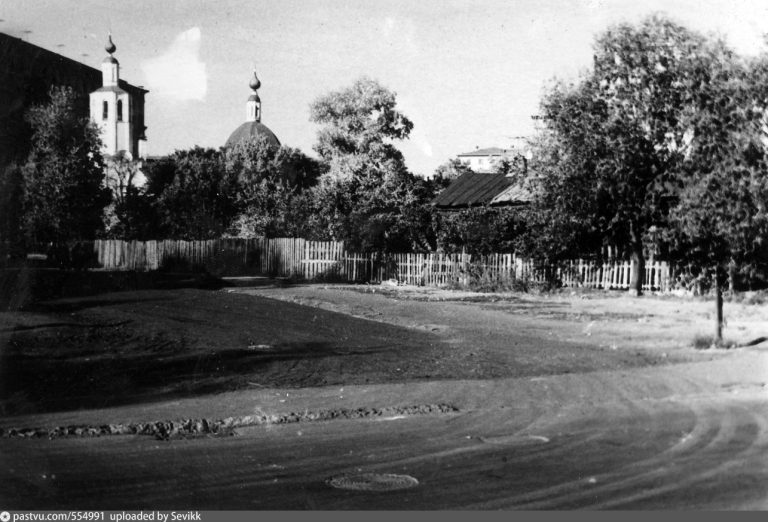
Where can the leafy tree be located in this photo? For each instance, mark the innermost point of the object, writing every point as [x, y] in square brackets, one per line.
[359, 124]
[619, 135]
[64, 192]
[268, 178]
[367, 197]
[720, 220]
[198, 196]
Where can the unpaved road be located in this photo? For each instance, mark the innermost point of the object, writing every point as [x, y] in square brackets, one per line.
[687, 436]
[623, 430]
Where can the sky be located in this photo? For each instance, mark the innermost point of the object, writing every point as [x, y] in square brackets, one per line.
[468, 73]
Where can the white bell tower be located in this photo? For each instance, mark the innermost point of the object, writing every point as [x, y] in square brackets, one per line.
[111, 108]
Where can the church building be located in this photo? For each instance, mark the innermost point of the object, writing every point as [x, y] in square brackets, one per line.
[27, 72]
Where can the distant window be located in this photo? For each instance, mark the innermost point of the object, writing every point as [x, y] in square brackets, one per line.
[119, 110]
[104, 110]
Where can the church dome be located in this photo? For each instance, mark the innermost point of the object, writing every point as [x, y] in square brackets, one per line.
[252, 129]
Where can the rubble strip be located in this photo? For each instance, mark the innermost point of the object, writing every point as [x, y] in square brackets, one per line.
[165, 430]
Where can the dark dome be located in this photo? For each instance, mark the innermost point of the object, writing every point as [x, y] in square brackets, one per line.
[251, 129]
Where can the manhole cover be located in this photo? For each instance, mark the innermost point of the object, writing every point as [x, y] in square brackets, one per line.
[373, 482]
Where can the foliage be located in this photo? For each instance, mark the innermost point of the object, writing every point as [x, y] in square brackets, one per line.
[250, 189]
[617, 135]
[269, 178]
[255, 160]
[483, 230]
[64, 193]
[392, 215]
[197, 198]
[562, 216]
[358, 124]
[720, 218]
[367, 197]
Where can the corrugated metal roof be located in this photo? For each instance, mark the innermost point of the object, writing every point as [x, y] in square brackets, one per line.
[471, 189]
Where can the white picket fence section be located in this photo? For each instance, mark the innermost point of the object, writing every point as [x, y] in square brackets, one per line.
[329, 260]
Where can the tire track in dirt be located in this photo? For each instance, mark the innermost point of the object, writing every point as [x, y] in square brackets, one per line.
[724, 435]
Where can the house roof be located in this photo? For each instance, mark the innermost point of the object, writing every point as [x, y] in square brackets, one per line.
[512, 195]
[490, 151]
[473, 189]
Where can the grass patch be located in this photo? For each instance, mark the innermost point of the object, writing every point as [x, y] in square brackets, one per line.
[704, 342]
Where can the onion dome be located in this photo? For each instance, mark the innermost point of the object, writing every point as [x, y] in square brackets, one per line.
[253, 128]
[110, 47]
[255, 83]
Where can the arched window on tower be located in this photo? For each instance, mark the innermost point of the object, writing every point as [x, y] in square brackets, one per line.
[104, 110]
[119, 110]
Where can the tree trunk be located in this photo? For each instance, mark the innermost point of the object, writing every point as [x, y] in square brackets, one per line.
[638, 261]
[719, 281]
[732, 276]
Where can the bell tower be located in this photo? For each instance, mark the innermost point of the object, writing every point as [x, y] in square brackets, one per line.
[110, 108]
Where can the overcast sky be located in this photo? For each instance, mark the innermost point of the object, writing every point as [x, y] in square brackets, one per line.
[468, 73]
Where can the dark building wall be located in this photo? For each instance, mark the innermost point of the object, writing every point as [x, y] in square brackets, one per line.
[27, 73]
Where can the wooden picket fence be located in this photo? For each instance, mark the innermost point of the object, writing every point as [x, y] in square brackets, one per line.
[442, 269]
[330, 261]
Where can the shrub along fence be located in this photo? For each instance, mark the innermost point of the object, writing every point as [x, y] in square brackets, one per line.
[330, 261]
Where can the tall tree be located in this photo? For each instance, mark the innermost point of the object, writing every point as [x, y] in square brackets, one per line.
[64, 192]
[619, 131]
[720, 220]
[359, 124]
[367, 197]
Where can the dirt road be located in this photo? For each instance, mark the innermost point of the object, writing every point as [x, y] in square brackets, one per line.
[595, 427]
[686, 436]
